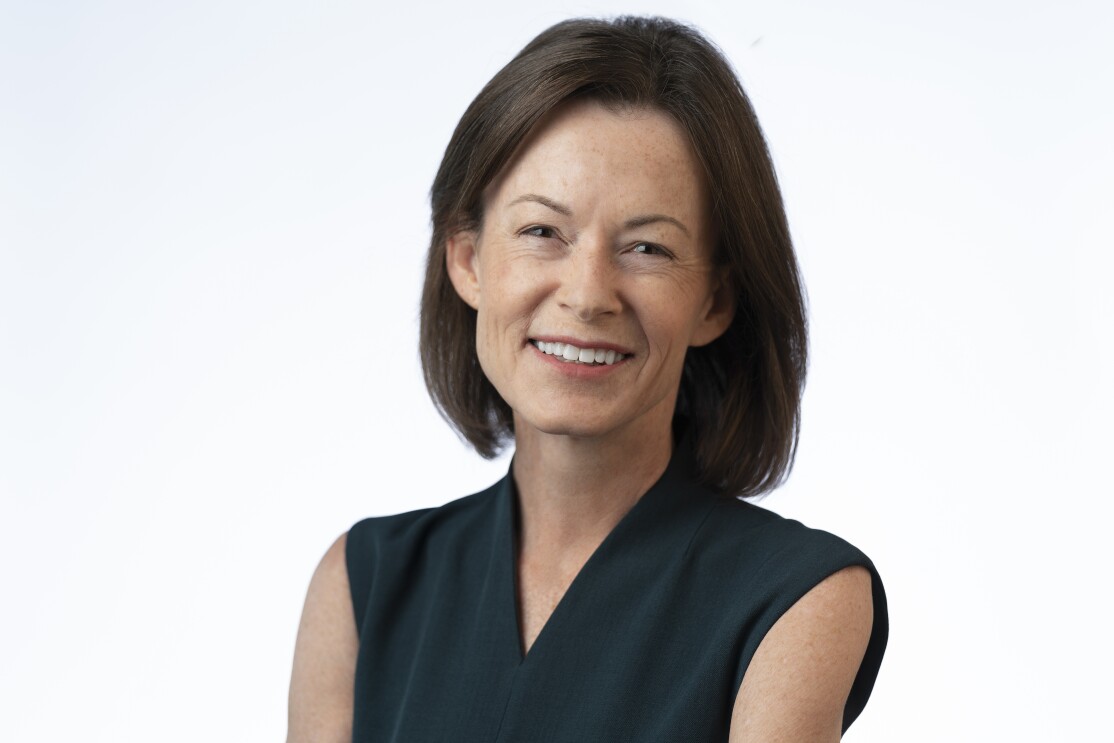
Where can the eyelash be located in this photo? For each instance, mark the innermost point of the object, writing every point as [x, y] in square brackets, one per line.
[655, 249]
[660, 250]
[527, 232]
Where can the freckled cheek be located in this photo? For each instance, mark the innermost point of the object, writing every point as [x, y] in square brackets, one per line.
[668, 341]
[487, 348]
[497, 338]
[519, 300]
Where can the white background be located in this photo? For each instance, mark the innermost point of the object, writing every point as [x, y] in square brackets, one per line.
[213, 219]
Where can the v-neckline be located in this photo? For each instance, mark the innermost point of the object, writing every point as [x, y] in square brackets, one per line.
[510, 530]
[512, 542]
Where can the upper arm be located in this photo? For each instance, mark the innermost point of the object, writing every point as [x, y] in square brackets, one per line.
[801, 674]
[321, 685]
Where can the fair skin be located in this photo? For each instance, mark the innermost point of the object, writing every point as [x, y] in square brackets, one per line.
[597, 235]
[321, 684]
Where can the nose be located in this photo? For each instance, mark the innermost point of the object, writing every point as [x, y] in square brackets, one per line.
[589, 287]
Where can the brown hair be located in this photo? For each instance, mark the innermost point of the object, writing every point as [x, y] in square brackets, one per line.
[741, 393]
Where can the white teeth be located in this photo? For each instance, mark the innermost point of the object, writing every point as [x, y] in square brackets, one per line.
[573, 355]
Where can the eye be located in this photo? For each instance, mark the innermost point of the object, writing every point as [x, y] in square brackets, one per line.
[649, 249]
[538, 231]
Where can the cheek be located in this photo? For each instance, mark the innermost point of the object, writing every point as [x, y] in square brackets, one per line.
[497, 324]
[513, 294]
[670, 335]
[486, 333]
[484, 347]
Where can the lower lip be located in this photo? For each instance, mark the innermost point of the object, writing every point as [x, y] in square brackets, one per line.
[574, 370]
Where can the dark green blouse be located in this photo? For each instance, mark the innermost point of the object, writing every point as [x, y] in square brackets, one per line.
[649, 643]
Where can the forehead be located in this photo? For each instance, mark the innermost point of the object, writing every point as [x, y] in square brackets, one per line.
[586, 154]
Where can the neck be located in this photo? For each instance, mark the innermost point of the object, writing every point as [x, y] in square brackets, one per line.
[574, 490]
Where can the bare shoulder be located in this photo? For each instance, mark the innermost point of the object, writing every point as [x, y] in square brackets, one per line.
[321, 684]
[797, 683]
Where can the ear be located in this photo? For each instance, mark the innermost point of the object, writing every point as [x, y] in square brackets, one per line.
[461, 260]
[718, 311]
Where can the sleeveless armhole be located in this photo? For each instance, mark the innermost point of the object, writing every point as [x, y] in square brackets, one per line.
[786, 578]
[359, 553]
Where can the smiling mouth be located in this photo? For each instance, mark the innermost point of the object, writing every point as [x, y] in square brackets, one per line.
[570, 354]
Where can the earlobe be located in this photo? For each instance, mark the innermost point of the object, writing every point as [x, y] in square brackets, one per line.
[718, 315]
[461, 262]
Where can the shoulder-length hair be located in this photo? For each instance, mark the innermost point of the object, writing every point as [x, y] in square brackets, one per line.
[740, 394]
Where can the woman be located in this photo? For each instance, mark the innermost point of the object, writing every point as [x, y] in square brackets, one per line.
[612, 285]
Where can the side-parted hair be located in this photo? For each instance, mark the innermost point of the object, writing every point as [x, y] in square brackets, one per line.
[740, 395]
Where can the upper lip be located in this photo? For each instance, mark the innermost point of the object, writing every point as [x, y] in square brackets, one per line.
[580, 343]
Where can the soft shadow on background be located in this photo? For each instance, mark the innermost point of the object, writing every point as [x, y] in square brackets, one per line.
[213, 221]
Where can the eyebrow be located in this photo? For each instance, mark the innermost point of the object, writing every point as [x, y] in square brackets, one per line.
[544, 201]
[646, 219]
[633, 222]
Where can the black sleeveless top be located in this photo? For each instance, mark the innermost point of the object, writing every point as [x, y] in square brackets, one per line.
[649, 643]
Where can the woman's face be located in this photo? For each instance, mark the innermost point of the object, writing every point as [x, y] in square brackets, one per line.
[591, 275]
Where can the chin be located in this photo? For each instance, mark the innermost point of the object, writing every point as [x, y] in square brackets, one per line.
[577, 426]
